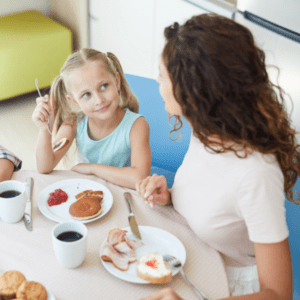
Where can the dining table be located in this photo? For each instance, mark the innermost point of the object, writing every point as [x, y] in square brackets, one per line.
[32, 253]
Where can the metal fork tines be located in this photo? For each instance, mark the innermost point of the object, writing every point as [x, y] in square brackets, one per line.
[37, 87]
[175, 264]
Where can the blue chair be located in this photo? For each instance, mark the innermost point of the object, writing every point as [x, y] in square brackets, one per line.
[293, 222]
[167, 155]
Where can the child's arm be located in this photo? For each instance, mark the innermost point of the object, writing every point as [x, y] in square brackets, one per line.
[6, 169]
[46, 158]
[8, 164]
[140, 160]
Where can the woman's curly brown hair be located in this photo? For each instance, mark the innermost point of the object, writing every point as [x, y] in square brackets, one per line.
[220, 80]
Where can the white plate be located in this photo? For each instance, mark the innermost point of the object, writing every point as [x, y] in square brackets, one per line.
[154, 239]
[60, 213]
[49, 295]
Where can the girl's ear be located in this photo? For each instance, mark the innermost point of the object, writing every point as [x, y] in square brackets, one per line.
[71, 99]
[118, 81]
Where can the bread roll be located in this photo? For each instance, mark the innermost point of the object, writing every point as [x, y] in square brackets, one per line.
[10, 282]
[152, 267]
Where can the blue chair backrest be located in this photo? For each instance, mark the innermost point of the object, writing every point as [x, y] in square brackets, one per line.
[293, 222]
[166, 154]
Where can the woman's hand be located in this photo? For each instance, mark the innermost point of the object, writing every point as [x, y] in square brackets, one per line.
[164, 294]
[83, 168]
[154, 190]
[41, 112]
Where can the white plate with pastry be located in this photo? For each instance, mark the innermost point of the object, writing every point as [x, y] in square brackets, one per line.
[154, 240]
[72, 187]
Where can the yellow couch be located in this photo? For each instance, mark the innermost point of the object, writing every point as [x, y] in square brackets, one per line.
[31, 46]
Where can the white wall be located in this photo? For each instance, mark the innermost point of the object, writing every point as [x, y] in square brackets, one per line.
[133, 29]
[15, 6]
[74, 15]
[280, 51]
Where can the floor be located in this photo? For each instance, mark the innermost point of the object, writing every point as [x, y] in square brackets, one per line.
[18, 133]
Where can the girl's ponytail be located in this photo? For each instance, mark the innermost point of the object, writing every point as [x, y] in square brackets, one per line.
[63, 110]
[127, 98]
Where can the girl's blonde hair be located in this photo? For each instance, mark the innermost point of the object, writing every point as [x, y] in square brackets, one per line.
[60, 87]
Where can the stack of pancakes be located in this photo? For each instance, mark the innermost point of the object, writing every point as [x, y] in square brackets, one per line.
[87, 206]
[13, 285]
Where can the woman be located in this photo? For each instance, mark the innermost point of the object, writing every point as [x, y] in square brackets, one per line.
[242, 157]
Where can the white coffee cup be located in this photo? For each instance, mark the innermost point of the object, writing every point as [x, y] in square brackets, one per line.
[12, 209]
[70, 254]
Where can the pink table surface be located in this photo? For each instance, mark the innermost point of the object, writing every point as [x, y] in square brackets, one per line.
[32, 252]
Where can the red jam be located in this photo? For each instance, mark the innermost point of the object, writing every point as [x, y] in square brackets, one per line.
[57, 197]
[152, 263]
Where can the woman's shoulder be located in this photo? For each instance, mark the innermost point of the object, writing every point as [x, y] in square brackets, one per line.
[262, 162]
[257, 166]
[261, 170]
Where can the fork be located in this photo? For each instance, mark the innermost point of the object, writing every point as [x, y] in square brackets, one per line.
[37, 87]
[175, 264]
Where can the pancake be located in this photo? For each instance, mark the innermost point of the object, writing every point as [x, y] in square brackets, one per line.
[82, 194]
[85, 208]
[98, 194]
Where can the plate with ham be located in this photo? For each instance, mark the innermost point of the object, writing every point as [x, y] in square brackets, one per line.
[120, 251]
[55, 200]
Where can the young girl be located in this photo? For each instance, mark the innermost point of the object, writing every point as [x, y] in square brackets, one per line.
[112, 138]
[242, 159]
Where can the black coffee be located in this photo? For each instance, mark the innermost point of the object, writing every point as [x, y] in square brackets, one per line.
[69, 236]
[10, 194]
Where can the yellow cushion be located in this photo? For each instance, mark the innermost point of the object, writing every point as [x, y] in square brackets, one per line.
[31, 46]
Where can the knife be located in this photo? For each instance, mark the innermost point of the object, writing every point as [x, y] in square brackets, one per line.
[27, 215]
[131, 218]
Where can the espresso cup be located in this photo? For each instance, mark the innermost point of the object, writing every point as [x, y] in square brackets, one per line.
[70, 254]
[12, 209]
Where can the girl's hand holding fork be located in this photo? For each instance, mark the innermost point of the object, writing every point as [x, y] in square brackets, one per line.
[43, 110]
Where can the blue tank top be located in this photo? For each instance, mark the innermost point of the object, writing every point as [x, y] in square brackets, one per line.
[113, 150]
